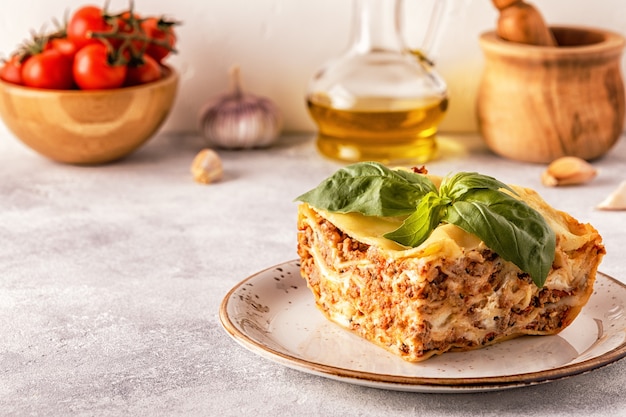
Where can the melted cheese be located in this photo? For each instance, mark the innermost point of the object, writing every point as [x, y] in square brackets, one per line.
[446, 240]
[449, 239]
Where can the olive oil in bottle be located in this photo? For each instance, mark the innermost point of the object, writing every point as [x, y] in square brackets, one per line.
[382, 129]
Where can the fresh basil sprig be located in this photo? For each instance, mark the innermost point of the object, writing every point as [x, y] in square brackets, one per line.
[476, 203]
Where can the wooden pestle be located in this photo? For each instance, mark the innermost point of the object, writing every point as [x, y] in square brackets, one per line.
[522, 23]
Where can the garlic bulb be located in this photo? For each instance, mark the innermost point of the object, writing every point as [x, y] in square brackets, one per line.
[240, 120]
[206, 167]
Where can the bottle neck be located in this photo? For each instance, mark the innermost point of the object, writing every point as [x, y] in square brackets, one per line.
[376, 26]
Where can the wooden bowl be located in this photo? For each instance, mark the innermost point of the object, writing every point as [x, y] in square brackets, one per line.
[538, 103]
[87, 127]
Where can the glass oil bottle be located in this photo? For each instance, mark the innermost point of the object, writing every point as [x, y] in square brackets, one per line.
[379, 101]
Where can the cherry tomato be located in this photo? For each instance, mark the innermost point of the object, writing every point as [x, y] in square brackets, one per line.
[129, 24]
[93, 69]
[83, 22]
[161, 31]
[11, 70]
[48, 69]
[145, 72]
[63, 45]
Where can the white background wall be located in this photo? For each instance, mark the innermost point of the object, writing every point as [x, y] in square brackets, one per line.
[279, 44]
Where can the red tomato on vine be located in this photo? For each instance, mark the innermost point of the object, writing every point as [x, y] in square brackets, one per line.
[11, 70]
[48, 69]
[83, 22]
[161, 31]
[63, 45]
[146, 72]
[94, 69]
[128, 24]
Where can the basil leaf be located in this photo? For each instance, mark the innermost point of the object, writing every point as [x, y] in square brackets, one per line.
[458, 184]
[509, 227]
[371, 189]
[419, 225]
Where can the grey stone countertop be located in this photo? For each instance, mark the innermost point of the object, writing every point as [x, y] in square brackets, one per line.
[111, 279]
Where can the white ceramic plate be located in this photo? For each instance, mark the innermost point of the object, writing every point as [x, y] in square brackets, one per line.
[273, 314]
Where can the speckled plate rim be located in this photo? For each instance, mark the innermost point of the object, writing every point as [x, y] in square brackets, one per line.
[414, 383]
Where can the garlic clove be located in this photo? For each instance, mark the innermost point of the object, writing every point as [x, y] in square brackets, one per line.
[240, 120]
[616, 200]
[568, 170]
[207, 167]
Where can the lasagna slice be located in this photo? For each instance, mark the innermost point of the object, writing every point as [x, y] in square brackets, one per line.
[451, 292]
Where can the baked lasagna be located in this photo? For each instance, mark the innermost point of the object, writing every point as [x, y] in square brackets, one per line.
[451, 292]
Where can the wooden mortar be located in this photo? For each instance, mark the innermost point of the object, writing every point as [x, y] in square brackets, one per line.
[538, 103]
